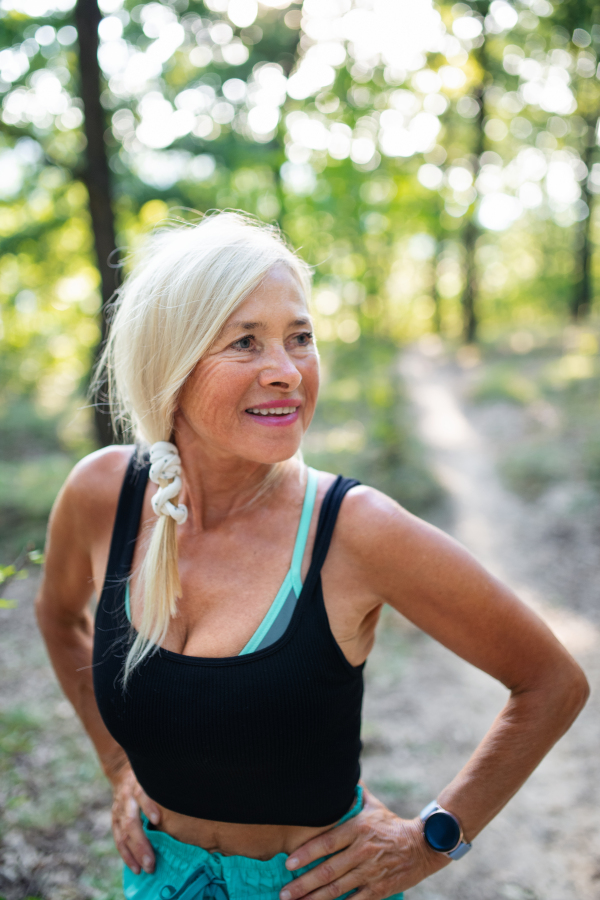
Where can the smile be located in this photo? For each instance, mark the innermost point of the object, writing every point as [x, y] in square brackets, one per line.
[278, 411]
[274, 416]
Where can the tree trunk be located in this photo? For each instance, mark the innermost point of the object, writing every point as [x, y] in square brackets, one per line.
[98, 182]
[581, 299]
[435, 294]
[469, 297]
[471, 231]
[470, 235]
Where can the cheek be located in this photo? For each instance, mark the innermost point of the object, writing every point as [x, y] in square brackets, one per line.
[311, 376]
[213, 392]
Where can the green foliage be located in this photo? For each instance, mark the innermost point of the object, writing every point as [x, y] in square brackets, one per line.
[551, 436]
[391, 254]
[532, 470]
[393, 788]
[18, 732]
[39, 766]
[14, 572]
[363, 427]
[591, 460]
[501, 382]
[28, 490]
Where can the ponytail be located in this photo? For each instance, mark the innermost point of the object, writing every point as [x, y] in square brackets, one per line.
[168, 313]
[159, 573]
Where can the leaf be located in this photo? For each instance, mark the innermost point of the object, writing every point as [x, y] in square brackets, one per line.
[8, 604]
[6, 572]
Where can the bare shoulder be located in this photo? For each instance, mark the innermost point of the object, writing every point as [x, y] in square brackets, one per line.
[369, 520]
[79, 530]
[390, 550]
[91, 492]
[103, 467]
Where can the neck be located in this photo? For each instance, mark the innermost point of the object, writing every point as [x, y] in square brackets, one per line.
[216, 487]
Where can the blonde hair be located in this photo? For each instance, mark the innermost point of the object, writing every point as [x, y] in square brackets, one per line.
[183, 287]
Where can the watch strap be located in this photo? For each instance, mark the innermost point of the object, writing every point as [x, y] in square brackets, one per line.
[430, 808]
[459, 851]
[462, 847]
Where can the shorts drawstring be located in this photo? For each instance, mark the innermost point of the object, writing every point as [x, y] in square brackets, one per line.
[202, 884]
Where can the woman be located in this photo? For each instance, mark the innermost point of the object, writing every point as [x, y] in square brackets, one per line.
[226, 722]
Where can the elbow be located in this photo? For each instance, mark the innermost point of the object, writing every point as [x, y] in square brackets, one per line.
[557, 695]
[44, 614]
[581, 690]
[40, 612]
[572, 690]
[54, 621]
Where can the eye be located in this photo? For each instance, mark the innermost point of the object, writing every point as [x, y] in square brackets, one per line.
[304, 338]
[244, 343]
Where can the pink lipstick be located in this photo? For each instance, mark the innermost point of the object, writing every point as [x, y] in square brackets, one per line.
[276, 413]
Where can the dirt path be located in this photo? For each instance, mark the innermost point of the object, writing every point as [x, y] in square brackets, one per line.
[426, 709]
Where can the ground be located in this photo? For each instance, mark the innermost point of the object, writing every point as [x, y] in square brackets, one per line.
[425, 709]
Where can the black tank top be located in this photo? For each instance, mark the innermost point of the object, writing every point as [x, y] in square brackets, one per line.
[271, 737]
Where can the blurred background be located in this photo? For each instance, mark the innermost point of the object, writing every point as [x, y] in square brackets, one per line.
[437, 164]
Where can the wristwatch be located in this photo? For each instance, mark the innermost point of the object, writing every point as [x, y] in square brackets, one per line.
[442, 831]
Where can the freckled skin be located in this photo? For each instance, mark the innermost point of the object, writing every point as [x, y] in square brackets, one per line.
[279, 362]
[379, 554]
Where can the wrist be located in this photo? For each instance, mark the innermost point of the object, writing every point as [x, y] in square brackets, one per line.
[443, 832]
[116, 768]
[428, 860]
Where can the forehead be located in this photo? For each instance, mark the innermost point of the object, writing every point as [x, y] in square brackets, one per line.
[279, 291]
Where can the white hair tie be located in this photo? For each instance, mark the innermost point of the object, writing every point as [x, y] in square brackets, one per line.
[165, 471]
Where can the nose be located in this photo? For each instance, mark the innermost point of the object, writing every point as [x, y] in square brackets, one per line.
[278, 370]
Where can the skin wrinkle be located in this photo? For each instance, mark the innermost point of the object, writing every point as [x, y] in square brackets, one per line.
[379, 553]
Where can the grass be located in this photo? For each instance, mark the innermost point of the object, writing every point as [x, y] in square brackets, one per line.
[556, 383]
[51, 793]
[363, 426]
[33, 465]
[37, 452]
[529, 471]
[502, 382]
[51, 789]
[393, 789]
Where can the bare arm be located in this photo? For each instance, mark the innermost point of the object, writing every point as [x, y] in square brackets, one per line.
[434, 582]
[446, 593]
[76, 554]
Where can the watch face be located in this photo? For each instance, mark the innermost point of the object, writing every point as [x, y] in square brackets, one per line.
[442, 832]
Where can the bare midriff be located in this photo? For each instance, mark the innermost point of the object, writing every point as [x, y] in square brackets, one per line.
[256, 841]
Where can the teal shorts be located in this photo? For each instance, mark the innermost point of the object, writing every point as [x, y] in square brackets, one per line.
[186, 872]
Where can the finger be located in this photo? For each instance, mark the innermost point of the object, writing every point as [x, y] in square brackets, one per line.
[330, 871]
[127, 857]
[150, 809]
[368, 893]
[325, 844]
[336, 888]
[132, 835]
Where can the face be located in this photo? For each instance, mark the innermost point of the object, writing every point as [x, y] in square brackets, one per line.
[254, 394]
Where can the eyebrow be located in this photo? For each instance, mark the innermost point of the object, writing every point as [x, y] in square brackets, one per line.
[251, 326]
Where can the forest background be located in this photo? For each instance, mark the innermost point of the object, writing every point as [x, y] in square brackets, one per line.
[434, 163]
[437, 165]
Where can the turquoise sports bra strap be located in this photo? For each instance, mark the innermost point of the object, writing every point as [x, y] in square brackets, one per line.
[305, 520]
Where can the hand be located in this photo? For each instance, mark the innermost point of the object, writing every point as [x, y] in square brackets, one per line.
[376, 853]
[132, 843]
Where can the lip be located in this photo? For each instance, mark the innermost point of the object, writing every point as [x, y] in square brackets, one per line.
[275, 404]
[275, 421]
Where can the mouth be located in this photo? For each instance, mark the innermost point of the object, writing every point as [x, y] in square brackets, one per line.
[271, 414]
[274, 411]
